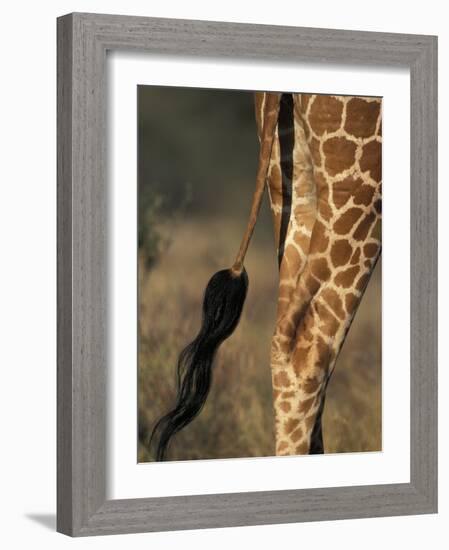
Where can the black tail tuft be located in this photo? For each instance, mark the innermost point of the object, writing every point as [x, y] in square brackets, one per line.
[222, 306]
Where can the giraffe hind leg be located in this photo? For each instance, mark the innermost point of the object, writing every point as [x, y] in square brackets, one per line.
[286, 133]
[316, 439]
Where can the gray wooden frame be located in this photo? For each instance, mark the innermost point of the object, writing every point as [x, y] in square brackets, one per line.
[83, 40]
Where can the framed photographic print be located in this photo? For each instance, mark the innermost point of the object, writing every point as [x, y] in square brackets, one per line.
[246, 274]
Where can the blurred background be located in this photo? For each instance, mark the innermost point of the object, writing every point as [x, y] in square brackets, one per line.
[197, 160]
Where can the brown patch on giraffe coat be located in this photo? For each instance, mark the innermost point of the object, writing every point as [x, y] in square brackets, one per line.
[344, 189]
[339, 155]
[305, 405]
[290, 424]
[314, 147]
[288, 394]
[376, 231]
[364, 195]
[350, 302]
[362, 282]
[340, 198]
[347, 220]
[285, 406]
[320, 238]
[361, 117]
[323, 204]
[320, 269]
[341, 252]
[283, 445]
[281, 379]
[310, 422]
[334, 302]
[364, 226]
[371, 160]
[370, 250]
[325, 114]
[300, 357]
[296, 435]
[302, 449]
[355, 257]
[310, 385]
[323, 207]
[323, 354]
[346, 278]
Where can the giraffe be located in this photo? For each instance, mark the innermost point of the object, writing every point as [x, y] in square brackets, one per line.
[320, 158]
[324, 184]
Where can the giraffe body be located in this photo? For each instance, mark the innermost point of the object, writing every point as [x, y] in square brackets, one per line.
[327, 209]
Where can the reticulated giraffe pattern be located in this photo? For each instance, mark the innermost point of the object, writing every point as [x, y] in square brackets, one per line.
[324, 185]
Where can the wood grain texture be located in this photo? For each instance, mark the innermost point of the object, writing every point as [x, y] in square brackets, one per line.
[64, 278]
[83, 40]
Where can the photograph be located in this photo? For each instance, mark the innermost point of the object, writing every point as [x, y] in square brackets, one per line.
[259, 274]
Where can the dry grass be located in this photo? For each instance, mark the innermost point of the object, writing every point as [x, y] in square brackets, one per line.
[237, 420]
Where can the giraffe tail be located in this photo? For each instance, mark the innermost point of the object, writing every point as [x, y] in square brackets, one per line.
[222, 306]
[223, 302]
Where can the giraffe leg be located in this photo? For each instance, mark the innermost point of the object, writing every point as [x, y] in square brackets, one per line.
[343, 136]
[292, 193]
[293, 202]
[313, 330]
[316, 439]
